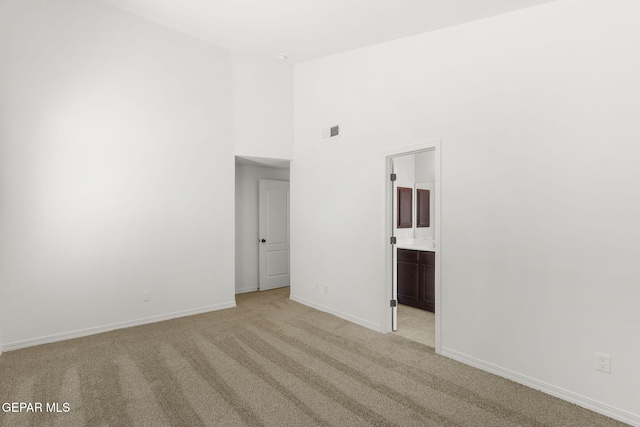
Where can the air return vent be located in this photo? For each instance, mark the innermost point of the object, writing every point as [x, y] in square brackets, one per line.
[330, 133]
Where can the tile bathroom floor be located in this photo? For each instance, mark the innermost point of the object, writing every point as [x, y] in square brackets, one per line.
[416, 325]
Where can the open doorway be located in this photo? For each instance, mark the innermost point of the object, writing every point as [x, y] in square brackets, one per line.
[249, 172]
[413, 228]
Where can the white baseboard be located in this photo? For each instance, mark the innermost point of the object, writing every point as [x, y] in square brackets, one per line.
[352, 319]
[106, 328]
[246, 289]
[585, 402]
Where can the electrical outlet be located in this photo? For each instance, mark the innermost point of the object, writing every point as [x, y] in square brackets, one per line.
[146, 296]
[326, 289]
[603, 362]
[317, 287]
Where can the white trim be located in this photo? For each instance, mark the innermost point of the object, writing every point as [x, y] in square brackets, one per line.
[436, 145]
[558, 392]
[106, 328]
[246, 289]
[411, 149]
[348, 317]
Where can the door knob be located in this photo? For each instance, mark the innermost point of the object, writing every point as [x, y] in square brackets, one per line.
[263, 241]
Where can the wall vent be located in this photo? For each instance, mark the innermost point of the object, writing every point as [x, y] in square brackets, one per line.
[332, 132]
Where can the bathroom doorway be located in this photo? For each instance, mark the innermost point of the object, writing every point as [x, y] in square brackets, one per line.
[413, 231]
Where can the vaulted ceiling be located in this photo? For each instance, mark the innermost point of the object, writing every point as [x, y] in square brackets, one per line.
[308, 29]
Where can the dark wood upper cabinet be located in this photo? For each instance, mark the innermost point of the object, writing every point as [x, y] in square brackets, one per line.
[423, 198]
[405, 207]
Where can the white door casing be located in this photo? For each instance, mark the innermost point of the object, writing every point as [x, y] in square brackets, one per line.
[389, 226]
[273, 229]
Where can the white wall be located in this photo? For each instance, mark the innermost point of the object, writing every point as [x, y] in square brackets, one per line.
[425, 166]
[115, 169]
[247, 192]
[537, 111]
[1, 299]
[262, 106]
[426, 180]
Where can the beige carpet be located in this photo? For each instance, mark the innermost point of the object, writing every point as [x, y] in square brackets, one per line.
[271, 362]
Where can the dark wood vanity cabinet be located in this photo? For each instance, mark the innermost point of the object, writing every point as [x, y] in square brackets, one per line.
[416, 279]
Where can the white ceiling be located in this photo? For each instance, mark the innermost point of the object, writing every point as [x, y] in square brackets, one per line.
[308, 29]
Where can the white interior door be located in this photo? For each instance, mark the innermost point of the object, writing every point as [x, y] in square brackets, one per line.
[273, 231]
[394, 274]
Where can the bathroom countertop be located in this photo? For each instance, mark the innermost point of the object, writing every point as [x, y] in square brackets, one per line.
[417, 244]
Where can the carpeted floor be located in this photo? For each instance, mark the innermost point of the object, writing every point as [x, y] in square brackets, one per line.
[271, 362]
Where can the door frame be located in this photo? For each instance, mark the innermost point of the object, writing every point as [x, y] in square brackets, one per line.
[390, 250]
